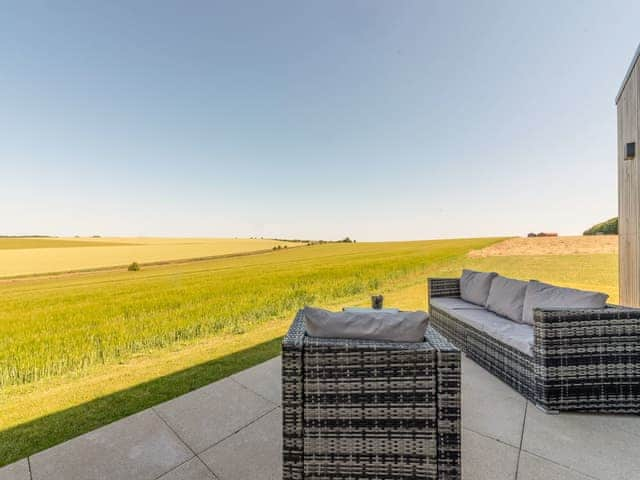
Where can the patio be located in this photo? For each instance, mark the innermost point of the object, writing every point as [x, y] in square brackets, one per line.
[231, 430]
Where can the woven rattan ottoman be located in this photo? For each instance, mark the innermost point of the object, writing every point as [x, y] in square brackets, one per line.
[361, 409]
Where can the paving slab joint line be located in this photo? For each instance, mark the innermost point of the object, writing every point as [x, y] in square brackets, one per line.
[176, 467]
[240, 429]
[231, 435]
[524, 422]
[489, 437]
[29, 467]
[254, 392]
[563, 466]
[185, 444]
[215, 477]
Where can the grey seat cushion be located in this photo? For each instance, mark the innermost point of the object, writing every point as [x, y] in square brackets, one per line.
[368, 310]
[543, 295]
[475, 286]
[516, 335]
[506, 297]
[452, 303]
[379, 325]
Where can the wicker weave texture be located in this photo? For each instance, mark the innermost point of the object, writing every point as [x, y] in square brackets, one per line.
[588, 359]
[370, 410]
[584, 360]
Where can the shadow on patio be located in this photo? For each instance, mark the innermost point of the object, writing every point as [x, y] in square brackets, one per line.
[49, 430]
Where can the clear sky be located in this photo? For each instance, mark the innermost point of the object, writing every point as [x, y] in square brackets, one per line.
[310, 119]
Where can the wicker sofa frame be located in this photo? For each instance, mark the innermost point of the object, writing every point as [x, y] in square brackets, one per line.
[583, 360]
[356, 409]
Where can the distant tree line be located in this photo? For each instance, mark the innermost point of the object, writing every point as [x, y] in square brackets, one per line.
[311, 242]
[28, 236]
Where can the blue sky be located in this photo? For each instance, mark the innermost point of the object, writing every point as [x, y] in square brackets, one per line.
[378, 120]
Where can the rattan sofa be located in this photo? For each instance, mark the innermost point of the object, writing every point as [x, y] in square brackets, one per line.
[361, 409]
[582, 360]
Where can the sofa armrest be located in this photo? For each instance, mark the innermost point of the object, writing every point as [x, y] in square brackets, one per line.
[292, 401]
[443, 287]
[611, 323]
[585, 359]
[579, 329]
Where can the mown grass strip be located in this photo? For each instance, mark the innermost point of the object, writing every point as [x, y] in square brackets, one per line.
[45, 431]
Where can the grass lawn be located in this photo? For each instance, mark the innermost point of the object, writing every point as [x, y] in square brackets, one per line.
[82, 351]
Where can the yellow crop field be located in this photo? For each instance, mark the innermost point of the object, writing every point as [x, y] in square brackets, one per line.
[31, 256]
[22, 243]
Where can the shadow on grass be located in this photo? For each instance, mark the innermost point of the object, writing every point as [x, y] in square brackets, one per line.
[31, 437]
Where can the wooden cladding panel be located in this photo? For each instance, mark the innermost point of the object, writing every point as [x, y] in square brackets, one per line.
[629, 193]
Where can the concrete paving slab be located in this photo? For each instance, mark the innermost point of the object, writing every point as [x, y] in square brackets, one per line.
[16, 471]
[531, 467]
[489, 406]
[208, 415]
[626, 423]
[253, 453]
[484, 458]
[235, 427]
[193, 469]
[137, 447]
[590, 444]
[264, 379]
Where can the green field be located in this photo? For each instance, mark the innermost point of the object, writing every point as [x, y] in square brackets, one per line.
[77, 352]
[55, 326]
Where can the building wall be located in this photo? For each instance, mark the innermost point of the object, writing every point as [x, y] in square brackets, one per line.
[628, 192]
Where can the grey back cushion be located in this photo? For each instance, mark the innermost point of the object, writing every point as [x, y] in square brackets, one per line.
[474, 286]
[390, 326]
[543, 295]
[506, 297]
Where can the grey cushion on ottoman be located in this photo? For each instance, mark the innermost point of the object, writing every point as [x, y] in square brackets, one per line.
[543, 295]
[506, 297]
[395, 327]
[474, 286]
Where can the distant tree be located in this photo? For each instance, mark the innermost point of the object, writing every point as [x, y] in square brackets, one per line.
[134, 267]
[609, 227]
